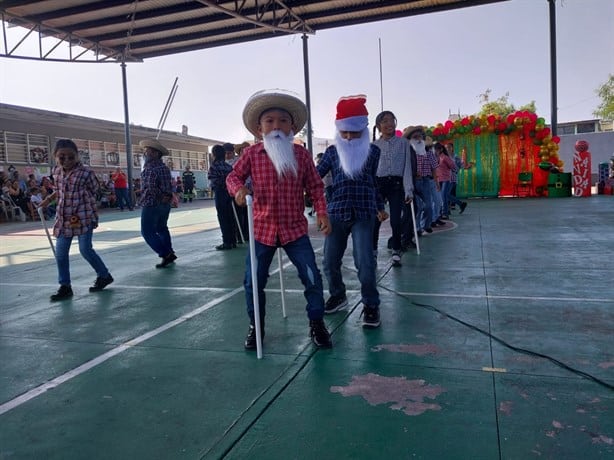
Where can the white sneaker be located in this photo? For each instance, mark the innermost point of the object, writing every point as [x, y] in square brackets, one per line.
[396, 259]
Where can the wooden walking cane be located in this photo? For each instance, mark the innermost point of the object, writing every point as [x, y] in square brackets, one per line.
[413, 219]
[254, 268]
[234, 210]
[41, 211]
[281, 283]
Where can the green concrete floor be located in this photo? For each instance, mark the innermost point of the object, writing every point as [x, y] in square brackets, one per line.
[153, 367]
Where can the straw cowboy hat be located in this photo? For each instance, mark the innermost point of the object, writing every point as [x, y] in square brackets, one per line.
[407, 132]
[273, 99]
[154, 144]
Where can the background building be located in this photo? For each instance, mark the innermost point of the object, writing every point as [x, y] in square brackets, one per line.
[27, 137]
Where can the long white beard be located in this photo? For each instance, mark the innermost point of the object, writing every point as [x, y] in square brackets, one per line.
[419, 147]
[353, 153]
[280, 150]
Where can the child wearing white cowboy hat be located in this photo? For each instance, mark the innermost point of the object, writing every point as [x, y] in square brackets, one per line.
[281, 173]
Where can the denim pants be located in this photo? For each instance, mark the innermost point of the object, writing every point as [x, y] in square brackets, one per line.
[425, 208]
[437, 200]
[121, 194]
[154, 228]
[334, 248]
[391, 189]
[448, 198]
[62, 249]
[302, 256]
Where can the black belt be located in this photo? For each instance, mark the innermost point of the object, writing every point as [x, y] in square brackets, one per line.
[424, 177]
[382, 178]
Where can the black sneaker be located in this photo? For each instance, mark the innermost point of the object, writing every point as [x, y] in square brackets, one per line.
[463, 205]
[250, 339]
[396, 259]
[335, 303]
[64, 292]
[370, 317]
[101, 283]
[319, 334]
[167, 260]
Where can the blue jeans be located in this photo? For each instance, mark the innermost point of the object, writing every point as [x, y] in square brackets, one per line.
[121, 194]
[425, 208]
[301, 255]
[448, 198]
[155, 230]
[62, 249]
[437, 200]
[391, 189]
[334, 248]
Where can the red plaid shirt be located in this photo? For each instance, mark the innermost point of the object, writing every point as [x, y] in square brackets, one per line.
[279, 203]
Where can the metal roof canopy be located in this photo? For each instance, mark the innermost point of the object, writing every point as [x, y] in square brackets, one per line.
[133, 30]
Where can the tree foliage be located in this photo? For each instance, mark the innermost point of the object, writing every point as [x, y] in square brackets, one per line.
[605, 110]
[501, 106]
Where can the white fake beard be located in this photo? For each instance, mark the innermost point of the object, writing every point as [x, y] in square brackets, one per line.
[353, 153]
[280, 150]
[419, 147]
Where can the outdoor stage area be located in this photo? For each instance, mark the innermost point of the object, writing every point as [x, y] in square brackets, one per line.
[497, 342]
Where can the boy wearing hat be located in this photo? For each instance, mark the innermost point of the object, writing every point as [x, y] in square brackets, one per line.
[426, 165]
[281, 172]
[156, 196]
[353, 208]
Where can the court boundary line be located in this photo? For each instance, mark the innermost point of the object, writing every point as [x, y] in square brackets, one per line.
[69, 375]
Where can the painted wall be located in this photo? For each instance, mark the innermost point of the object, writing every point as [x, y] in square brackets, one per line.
[601, 146]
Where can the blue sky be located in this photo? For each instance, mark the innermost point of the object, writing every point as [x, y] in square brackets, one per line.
[432, 64]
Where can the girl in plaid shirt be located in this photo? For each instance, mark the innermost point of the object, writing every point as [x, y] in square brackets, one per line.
[76, 190]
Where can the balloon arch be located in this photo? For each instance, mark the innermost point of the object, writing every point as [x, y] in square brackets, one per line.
[498, 149]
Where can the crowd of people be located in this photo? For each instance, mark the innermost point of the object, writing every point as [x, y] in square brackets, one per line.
[21, 196]
[348, 187]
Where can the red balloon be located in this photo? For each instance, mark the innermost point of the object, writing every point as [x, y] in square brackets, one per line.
[398, 133]
[556, 139]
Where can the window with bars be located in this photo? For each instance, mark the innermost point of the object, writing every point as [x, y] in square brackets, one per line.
[24, 148]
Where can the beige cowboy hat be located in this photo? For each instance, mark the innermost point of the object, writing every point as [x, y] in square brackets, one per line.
[407, 132]
[154, 144]
[273, 99]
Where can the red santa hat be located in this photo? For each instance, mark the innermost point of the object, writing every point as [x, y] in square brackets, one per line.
[352, 114]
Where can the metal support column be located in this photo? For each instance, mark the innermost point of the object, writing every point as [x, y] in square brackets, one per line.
[127, 131]
[553, 83]
[307, 94]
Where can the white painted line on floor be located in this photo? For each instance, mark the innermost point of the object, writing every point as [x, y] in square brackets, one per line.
[33, 393]
[494, 369]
